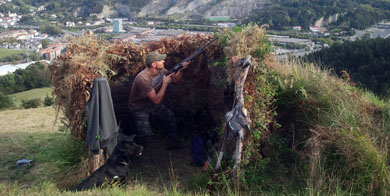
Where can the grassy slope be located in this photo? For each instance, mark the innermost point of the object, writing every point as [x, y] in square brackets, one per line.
[338, 134]
[33, 134]
[343, 122]
[31, 94]
[27, 134]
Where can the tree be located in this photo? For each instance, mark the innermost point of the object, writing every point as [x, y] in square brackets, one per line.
[48, 101]
[45, 43]
[5, 101]
[50, 29]
[27, 20]
[366, 60]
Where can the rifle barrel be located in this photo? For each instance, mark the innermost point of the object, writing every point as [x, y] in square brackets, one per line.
[179, 66]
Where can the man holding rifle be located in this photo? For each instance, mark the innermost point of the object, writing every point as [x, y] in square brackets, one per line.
[146, 97]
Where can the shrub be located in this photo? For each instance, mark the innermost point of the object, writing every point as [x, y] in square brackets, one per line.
[48, 101]
[32, 103]
[5, 101]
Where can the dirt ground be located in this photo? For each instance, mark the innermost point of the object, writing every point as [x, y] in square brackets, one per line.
[158, 167]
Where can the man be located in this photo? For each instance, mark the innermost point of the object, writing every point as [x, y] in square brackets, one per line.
[145, 100]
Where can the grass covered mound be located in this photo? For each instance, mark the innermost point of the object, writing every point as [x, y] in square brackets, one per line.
[311, 133]
[331, 138]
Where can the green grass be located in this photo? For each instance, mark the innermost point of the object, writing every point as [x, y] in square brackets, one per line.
[344, 130]
[8, 52]
[31, 94]
[58, 166]
[48, 188]
[33, 134]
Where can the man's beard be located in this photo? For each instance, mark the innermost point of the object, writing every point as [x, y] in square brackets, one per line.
[159, 69]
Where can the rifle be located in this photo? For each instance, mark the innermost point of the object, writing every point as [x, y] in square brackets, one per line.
[158, 79]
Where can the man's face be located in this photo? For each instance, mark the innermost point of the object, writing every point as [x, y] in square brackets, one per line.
[160, 65]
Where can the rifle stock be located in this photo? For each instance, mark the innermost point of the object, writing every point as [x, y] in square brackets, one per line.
[158, 79]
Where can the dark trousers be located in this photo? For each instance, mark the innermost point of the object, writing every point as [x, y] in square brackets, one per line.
[142, 116]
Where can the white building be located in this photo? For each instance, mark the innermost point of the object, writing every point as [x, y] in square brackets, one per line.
[12, 15]
[69, 24]
[41, 8]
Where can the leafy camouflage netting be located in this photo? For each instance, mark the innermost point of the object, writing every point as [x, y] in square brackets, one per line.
[204, 88]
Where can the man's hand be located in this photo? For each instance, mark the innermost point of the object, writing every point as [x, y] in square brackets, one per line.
[167, 79]
[185, 65]
[176, 77]
[156, 98]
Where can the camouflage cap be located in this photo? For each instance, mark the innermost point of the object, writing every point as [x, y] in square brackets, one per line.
[154, 56]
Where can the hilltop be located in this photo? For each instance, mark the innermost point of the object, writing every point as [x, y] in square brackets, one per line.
[312, 133]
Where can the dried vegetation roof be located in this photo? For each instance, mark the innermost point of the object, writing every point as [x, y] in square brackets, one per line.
[87, 58]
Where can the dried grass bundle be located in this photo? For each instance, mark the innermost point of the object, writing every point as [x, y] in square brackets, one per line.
[249, 40]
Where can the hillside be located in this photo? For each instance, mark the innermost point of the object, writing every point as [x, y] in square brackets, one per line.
[201, 8]
[365, 62]
[358, 14]
[138, 8]
[311, 133]
[39, 93]
[322, 137]
[281, 14]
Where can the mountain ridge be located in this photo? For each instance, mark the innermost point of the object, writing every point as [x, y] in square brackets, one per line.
[205, 8]
[279, 14]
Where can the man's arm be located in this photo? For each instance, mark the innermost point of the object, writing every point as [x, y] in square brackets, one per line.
[176, 78]
[156, 98]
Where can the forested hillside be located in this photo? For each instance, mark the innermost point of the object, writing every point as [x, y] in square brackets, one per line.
[280, 14]
[357, 14]
[69, 10]
[34, 76]
[367, 61]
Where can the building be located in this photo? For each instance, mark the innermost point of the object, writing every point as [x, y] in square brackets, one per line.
[117, 26]
[287, 40]
[70, 24]
[32, 45]
[316, 29]
[52, 51]
[219, 18]
[384, 25]
[298, 28]
[23, 36]
[41, 8]
[226, 24]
